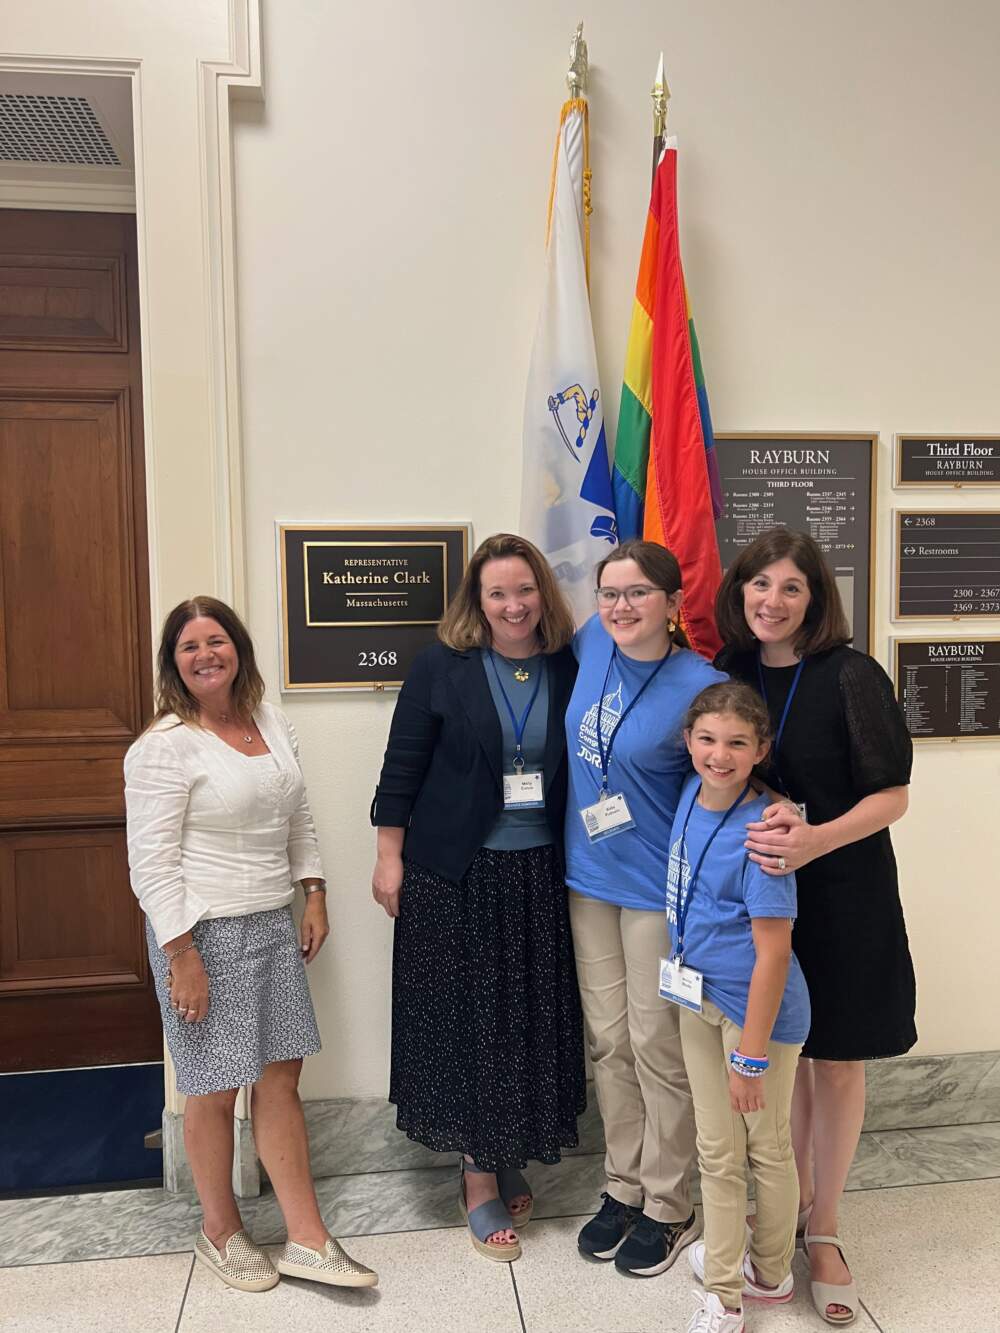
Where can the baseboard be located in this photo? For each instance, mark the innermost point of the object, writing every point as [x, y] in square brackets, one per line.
[358, 1135]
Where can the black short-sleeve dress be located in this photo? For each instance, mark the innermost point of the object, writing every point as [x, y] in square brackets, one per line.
[844, 739]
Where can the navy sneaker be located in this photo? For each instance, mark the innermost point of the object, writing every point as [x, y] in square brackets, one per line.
[602, 1235]
[653, 1246]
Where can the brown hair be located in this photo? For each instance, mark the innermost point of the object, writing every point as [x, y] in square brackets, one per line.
[172, 695]
[464, 625]
[658, 564]
[731, 696]
[824, 626]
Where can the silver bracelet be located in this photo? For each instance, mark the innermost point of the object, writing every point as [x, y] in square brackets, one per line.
[314, 888]
[177, 952]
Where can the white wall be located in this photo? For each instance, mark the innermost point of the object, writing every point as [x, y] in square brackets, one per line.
[839, 190]
[839, 197]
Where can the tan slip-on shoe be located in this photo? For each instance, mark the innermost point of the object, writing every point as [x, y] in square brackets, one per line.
[331, 1264]
[242, 1264]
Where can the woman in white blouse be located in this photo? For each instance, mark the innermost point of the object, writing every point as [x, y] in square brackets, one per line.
[219, 831]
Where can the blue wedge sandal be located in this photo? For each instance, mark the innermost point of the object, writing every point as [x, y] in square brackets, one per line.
[486, 1219]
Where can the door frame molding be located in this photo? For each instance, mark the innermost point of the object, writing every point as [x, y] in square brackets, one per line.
[218, 83]
[240, 76]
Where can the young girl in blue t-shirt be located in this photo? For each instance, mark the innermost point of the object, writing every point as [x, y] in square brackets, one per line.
[744, 1009]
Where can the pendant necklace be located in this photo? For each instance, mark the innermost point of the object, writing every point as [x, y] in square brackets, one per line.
[224, 718]
[521, 672]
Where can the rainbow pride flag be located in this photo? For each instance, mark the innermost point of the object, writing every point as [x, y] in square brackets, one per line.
[666, 480]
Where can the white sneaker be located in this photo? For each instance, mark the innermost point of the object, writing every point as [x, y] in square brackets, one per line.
[752, 1289]
[711, 1316]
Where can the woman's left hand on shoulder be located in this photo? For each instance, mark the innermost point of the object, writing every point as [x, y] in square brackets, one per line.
[781, 840]
[315, 926]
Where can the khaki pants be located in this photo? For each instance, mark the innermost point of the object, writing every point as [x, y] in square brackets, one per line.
[634, 1041]
[727, 1141]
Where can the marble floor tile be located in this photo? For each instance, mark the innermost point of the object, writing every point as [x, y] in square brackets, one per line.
[561, 1292]
[138, 1295]
[926, 1258]
[429, 1280]
[945, 1153]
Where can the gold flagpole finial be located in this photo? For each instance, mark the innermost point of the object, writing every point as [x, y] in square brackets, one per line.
[661, 96]
[576, 79]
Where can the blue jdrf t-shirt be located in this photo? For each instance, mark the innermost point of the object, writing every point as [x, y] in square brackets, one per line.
[649, 763]
[731, 891]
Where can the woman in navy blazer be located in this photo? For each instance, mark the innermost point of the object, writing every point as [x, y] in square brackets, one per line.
[487, 1040]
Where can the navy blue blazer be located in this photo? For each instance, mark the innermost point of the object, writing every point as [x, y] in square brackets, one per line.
[441, 778]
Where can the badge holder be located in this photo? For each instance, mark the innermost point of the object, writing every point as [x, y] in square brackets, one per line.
[680, 984]
[523, 791]
[608, 816]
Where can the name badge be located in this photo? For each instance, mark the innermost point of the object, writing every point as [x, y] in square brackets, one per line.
[680, 984]
[605, 818]
[523, 791]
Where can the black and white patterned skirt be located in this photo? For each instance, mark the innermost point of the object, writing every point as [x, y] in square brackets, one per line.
[487, 1032]
[259, 1008]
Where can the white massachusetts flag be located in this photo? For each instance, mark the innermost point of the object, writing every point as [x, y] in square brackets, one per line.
[566, 504]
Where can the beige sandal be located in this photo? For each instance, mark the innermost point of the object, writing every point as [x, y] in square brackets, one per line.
[825, 1294]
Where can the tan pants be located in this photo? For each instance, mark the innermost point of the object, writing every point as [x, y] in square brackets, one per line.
[634, 1041]
[727, 1141]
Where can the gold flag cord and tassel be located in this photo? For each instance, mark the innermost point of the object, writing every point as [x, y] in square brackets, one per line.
[576, 81]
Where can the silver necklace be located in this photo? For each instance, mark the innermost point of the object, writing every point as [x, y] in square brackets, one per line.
[224, 718]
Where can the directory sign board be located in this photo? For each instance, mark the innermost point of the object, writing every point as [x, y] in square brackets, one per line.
[823, 485]
[948, 689]
[947, 564]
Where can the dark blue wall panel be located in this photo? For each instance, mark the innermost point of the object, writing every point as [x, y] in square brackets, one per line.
[79, 1126]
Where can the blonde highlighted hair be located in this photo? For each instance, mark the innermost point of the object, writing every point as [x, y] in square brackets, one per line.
[464, 626]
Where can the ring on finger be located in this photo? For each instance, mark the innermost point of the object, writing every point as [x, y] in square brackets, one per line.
[781, 862]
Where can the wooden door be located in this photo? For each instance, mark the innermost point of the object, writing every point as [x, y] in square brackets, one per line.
[75, 987]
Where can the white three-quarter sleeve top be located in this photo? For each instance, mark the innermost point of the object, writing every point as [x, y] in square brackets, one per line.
[212, 832]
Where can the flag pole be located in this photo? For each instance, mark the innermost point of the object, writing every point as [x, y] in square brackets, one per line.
[661, 96]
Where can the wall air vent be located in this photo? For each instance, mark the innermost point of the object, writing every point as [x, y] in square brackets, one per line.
[36, 127]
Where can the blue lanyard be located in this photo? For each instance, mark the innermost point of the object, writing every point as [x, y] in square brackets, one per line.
[682, 908]
[518, 725]
[606, 753]
[784, 716]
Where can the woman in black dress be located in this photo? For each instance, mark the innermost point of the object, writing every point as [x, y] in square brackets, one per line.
[487, 1032]
[842, 754]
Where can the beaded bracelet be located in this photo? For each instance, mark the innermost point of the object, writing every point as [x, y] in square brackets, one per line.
[747, 1066]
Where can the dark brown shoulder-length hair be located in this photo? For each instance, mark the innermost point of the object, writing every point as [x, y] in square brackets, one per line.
[658, 564]
[172, 695]
[463, 625]
[824, 626]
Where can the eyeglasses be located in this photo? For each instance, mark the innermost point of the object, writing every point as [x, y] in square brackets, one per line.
[634, 596]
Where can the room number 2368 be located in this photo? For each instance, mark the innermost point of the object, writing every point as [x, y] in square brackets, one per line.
[377, 659]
